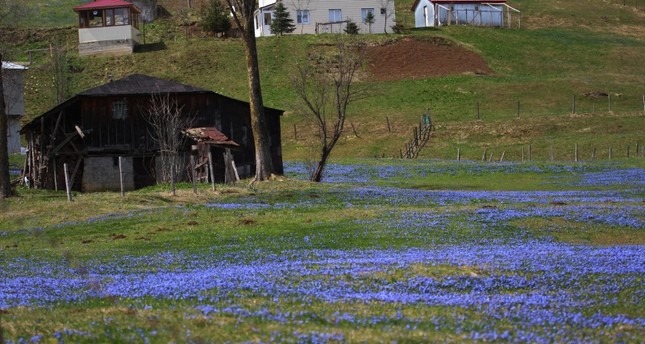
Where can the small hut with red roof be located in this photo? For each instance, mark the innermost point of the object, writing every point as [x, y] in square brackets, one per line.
[107, 27]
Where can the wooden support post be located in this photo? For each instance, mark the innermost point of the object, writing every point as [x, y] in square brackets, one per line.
[490, 159]
[387, 120]
[68, 187]
[173, 190]
[484, 155]
[55, 174]
[458, 154]
[211, 168]
[643, 103]
[628, 151]
[121, 176]
[501, 159]
[192, 173]
[518, 109]
[295, 133]
[573, 104]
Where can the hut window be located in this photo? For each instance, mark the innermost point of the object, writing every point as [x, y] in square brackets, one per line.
[122, 16]
[120, 109]
[96, 18]
[109, 17]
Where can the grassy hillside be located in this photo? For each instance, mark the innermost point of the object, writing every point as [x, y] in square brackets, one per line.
[564, 49]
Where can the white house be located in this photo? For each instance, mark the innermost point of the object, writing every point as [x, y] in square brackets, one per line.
[468, 12]
[108, 27]
[13, 83]
[328, 16]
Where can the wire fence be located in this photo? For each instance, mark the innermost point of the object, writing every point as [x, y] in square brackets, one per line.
[589, 103]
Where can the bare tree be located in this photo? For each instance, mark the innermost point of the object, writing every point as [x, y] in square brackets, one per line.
[387, 8]
[167, 120]
[5, 182]
[325, 87]
[243, 13]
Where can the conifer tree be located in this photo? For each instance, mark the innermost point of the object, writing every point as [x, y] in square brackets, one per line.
[282, 22]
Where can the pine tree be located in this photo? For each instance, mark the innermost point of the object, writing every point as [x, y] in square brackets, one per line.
[216, 18]
[282, 22]
[352, 28]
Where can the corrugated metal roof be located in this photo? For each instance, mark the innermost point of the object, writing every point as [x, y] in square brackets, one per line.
[141, 84]
[210, 135]
[10, 65]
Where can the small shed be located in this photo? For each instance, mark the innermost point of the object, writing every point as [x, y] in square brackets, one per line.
[13, 81]
[108, 27]
[101, 128]
[495, 13]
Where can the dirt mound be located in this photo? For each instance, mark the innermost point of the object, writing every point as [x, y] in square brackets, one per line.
[415, 59]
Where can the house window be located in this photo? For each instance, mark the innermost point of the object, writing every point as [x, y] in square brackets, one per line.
[267, 18]
[302, 16]
[335, 15]
[120, 109]
[96, 18]
[365, 12]
[383, 11]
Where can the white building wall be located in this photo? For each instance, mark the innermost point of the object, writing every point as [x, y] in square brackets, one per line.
[108, 33]
[424, 14]
[14, 85]
[319, 13]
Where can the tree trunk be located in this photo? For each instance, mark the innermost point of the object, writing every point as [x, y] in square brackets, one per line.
[263, 160]
[5, 182]
[316, 176]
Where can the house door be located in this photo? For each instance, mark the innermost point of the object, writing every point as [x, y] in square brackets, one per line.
[144, 171]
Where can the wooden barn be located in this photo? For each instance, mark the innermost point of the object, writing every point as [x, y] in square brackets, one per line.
[101, 128]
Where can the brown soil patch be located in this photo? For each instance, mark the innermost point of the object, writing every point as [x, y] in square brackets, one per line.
[417, 59]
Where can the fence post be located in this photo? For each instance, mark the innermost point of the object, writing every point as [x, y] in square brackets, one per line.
[501, 159]
[529, 152]
[478, 117]
[522, 153]
[484, 155]
[518, 109]
[458, 154]
[576, 153]
[387, 119]
[295, 133]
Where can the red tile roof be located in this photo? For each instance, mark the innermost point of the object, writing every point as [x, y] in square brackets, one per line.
[100, 4]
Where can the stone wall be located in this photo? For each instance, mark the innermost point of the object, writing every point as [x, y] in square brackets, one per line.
[102, 174]
[115, 47]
